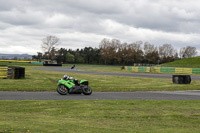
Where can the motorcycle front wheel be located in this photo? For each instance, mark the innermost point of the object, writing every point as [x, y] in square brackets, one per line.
[62, 90]
[87, 90]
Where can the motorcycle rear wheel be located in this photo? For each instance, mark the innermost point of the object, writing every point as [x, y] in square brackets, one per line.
[62, 90]
[87, 90]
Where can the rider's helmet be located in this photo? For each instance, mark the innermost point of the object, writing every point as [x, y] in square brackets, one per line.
[65, 77]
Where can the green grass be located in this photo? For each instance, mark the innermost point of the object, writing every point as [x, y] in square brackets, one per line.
[65, 65]
[97, 116]
[18, 64]
[192, 62]
[37, 80]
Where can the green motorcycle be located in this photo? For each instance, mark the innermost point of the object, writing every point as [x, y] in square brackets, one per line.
[68, 85]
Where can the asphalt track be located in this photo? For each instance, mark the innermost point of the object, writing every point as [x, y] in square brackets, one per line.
[146, 75]
[153, 95]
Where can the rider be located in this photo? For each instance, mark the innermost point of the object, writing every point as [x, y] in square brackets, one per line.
[66, 77]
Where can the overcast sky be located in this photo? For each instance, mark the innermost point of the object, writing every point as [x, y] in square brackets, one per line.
[81, 23]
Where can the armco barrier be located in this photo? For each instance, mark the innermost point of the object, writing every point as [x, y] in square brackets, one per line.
[148, 69]
[17, 61]
[129, 68]
[170, 70]
[187, 70]
[195, 70]
[141, 69]
[135, 69]
[3, 72]
[36, 62]
[155, 69]
[183, 70]
[126, 68]
[167, 69]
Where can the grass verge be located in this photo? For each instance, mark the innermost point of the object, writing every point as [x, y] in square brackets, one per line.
[65, 65]
[90, 116]
[37, 80]
[192, 62]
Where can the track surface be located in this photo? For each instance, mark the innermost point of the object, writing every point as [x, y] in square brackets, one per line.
[159, 95]
[146, 75]
[154, 95]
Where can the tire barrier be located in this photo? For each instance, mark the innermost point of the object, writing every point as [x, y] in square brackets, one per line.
[16, 72]
[181, 79]
[171, 70]
[12, 72]
[52, 64]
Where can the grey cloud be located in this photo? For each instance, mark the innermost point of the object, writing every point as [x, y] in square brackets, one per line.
[160, 16]
[15, 17]
[126, 20]
[156, 15]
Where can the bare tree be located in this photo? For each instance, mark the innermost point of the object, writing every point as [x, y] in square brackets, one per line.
[136, 52]
[188, 51]
[167, 53]
[149, 48]
[108, 49]
[122, 53]
[151, 53]
[182, 52]
[166, 50]
[176, 57]
[49, 43]
[104, 44]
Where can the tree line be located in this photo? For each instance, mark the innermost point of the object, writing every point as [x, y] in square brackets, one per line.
[114, 52]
